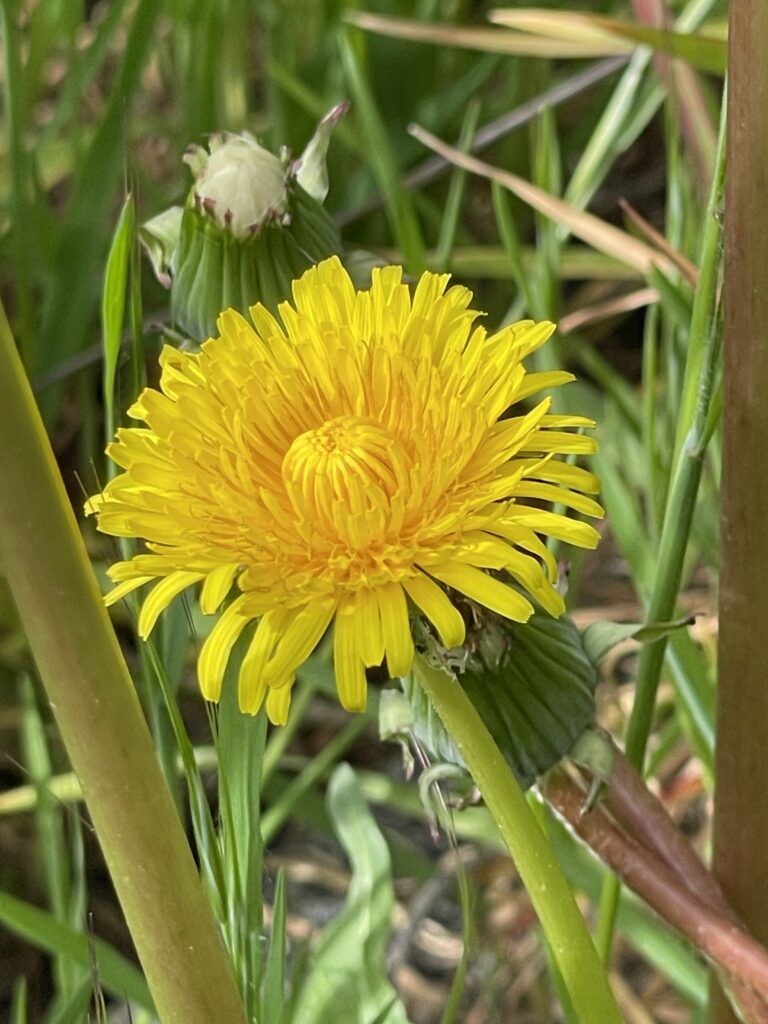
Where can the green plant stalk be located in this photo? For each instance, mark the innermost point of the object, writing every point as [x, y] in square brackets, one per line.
[700, 380]
[23, 232]
[100, 720]
[741, 811]
[563, 925]
[692, 434]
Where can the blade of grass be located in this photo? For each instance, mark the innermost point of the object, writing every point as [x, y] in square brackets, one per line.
[700, 372]
[19, 1002]
[603, 236]
[273, 996]
[688, 462]
[496, 129]
[347, 981]
[274, 819]
[51, 843]
[76, 265]
[113, 307]
[491, 40]
[452, 209]
[41, 929]
[400, 212]
[240, 746]
[22, 204]
[73, 1009]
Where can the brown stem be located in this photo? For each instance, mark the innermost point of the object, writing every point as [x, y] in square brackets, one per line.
[741, 810]
[643, 816]
[722, 940]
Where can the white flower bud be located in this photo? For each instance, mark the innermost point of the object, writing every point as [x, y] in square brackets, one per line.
[241, 185]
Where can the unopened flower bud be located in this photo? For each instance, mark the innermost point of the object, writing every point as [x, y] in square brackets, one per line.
[240, 185]
[252, 224]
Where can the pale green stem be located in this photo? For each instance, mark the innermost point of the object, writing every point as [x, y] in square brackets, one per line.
[552, 899]
[100, 720]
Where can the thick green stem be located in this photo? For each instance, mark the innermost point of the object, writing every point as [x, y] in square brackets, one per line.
[571, 944]
[741, 809]
[100, 720]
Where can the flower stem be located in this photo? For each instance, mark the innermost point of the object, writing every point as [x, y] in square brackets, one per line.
[571, 944]
[101, 723]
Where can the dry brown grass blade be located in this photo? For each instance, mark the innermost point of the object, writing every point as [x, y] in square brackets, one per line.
[590, 229]
[597, 43]
[576, 27]
[689, 270]
[605, 310]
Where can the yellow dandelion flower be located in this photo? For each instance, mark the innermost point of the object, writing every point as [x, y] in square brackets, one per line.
[357, 460]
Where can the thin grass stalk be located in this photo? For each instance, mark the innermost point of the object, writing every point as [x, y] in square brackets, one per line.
[741, 809]
[698, 388]
[693, 434]
[570, 942]
[23, 231]
[100, 721]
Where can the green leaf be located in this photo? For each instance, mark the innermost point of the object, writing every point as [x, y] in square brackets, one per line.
[383, 161]
[19, 1002]
[160, 239]
[535, 694]
[113, 301]
[347, 981]
[273, 999]
[117, 975]
[240, 746]
[707, 53]
[601, 637]
[73, 1009]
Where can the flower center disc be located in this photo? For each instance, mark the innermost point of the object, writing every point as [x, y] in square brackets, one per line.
[344, 477]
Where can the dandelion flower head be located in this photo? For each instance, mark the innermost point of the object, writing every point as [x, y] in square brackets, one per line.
[357, 463]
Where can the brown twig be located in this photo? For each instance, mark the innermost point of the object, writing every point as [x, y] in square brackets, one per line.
[643, 816]
[718, 936]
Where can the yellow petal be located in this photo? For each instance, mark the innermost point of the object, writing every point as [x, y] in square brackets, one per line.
[217, 648]
[252, 684]
[216, 587]
[526, 570]
[301, 636]
[552, 524]
[279, 704]
[485, 590]
[161, 596]
[118, 592]
[561, 442]
[437, 607]
[367, 621]
[558, 472]
[559, 495]
[398, 643]
[534, 382]
[348, 665]
[525, 538]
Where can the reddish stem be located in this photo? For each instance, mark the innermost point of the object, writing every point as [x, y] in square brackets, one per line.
[725, 942]
[643, 817]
